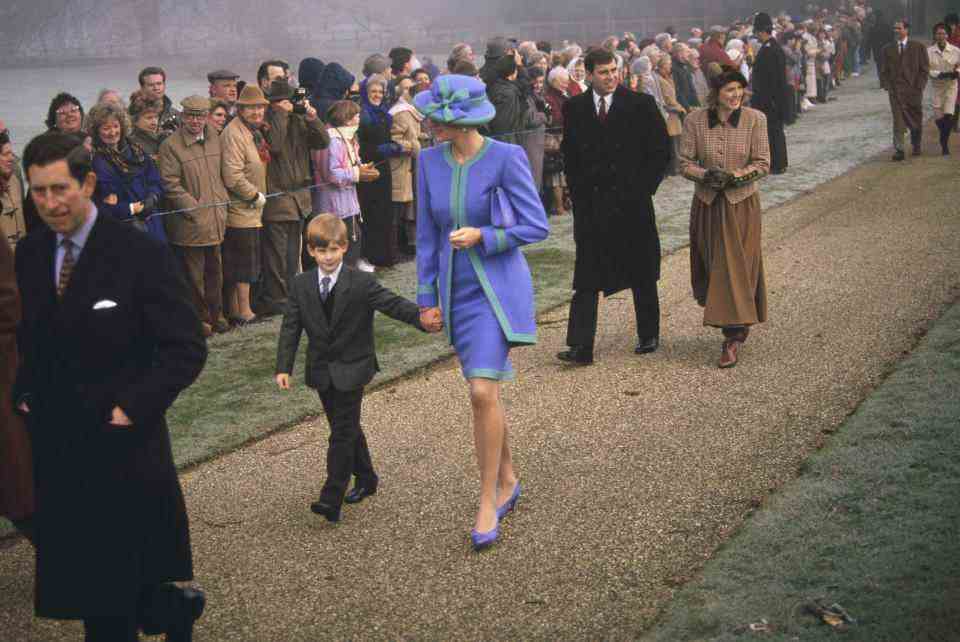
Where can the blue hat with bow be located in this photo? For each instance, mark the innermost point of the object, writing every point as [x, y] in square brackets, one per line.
[456, 100]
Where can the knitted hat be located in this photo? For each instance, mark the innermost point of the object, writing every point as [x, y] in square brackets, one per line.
[456, 100]
[251, 96]
[719, 81]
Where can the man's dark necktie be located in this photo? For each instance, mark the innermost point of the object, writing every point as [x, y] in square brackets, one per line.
[66, 267]
[602, 113]
[324, 288]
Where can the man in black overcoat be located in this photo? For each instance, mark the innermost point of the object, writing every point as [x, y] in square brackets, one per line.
[108, 339]
[616, 151]
[771, 94]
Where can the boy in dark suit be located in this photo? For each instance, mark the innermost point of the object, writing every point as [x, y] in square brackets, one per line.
[335, 303]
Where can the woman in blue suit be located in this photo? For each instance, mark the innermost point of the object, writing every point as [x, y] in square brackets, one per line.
[477, 204]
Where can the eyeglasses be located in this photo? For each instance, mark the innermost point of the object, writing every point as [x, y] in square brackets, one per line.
[65, 111]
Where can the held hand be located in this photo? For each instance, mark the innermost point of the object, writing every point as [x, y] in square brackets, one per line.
[111, 199]
[283, 381]
[119, 418]
[431, 319]
[23, 408]
[311, 114]
[465, 237]
[136, 208]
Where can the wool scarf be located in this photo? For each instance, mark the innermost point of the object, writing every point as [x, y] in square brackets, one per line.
[260, 140]
[127, 157]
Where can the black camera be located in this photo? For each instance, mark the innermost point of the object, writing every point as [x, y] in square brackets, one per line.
[299, 100]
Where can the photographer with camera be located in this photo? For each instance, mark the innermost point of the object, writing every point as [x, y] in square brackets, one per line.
[293, 131]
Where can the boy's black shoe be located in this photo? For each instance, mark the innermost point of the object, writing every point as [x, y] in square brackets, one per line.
[359, 493]
[332, 513]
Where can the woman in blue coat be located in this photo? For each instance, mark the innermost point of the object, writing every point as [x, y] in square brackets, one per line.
[476, 205]
[129, 187]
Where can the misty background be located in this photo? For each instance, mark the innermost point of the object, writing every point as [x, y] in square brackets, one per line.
[55, 31]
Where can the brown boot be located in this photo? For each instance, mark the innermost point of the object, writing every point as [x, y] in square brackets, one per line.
[728, 354]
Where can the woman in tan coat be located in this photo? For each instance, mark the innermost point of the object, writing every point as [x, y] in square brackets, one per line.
[406, 133]
[246, 153]
[673, 108]
[725, 151]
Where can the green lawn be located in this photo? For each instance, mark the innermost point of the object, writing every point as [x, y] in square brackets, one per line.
[235, 399]
[872, 524]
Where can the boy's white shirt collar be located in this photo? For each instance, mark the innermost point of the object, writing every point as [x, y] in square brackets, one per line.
[333, 277]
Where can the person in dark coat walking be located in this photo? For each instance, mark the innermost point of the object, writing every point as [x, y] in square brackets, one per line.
[108, 340]
[770, 92]
[616, 150]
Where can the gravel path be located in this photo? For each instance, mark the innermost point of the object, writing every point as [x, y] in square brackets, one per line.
[635, 470]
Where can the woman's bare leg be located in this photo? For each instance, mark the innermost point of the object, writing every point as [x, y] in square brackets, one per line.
[488, 437]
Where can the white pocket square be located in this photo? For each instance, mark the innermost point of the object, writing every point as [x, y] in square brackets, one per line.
[106, 304]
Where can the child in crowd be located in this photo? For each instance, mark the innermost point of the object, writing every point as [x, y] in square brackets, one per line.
[335, 303]
[337, 170]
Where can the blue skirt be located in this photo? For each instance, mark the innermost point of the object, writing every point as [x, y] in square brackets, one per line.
[475, 332]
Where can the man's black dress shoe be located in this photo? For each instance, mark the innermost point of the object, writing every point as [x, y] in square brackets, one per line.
[359, 493]
[172, 610]
[332, 513]
[899, 156]
[577, 356]
[193, 601]
[646, 346]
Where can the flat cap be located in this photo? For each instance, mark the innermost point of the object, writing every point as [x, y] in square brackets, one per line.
[195, 103]
[222, 74]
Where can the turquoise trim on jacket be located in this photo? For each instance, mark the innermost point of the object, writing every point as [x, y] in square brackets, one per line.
[458, 206]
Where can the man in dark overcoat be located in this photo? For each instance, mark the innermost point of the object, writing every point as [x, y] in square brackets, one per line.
[616, 151]
[905, 70]
[771, 94]
[108, 339]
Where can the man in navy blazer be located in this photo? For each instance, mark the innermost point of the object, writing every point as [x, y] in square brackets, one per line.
[108, 339]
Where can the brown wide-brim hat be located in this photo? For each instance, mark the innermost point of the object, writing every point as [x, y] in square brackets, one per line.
[252, 96]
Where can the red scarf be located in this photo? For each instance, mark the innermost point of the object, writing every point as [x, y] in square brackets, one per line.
[260, 140]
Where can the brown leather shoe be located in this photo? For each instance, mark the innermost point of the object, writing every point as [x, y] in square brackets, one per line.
[728, 357]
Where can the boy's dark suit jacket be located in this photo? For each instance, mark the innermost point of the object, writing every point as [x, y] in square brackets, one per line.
[110, 512]
[340, 350]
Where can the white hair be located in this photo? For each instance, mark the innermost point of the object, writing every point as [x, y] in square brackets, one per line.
[557, 73]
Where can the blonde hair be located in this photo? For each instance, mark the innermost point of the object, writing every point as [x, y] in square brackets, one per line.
[325, 229]
[101, 113]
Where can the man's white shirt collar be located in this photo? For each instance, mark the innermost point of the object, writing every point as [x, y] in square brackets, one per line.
[597, 98]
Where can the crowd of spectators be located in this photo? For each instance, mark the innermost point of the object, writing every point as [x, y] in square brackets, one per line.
[230, 180]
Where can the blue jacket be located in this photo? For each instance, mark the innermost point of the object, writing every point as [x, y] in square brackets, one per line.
[451, 196]
[143, 183]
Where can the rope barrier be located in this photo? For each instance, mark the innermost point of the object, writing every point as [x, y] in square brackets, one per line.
[310, 188]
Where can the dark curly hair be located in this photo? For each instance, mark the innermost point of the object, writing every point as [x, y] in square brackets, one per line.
[61, 99]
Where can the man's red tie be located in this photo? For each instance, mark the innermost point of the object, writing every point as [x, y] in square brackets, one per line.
[602, 114]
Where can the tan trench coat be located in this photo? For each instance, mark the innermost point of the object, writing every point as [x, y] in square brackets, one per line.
[406, 133]
[671, 105]
[905, 77]
[944, 91]
[191, 177]
[244, 174]
[13, 226]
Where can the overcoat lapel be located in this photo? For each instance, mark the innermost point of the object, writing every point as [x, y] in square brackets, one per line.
[47, 263]
[340, 300]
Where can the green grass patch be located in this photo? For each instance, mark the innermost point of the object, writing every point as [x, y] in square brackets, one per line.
[872, 524]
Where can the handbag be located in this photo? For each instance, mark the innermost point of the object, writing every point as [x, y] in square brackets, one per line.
[501, 210]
